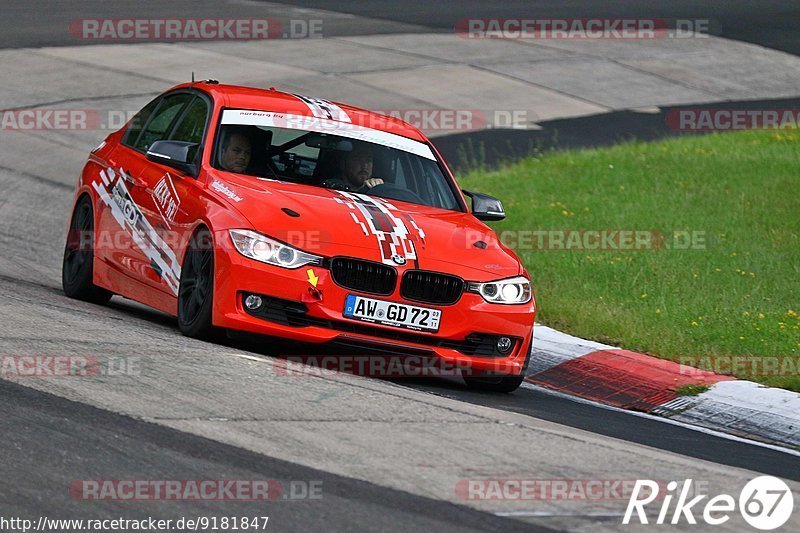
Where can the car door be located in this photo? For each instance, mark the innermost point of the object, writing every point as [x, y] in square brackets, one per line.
[114, 225]
[138, 250]
[168, 198]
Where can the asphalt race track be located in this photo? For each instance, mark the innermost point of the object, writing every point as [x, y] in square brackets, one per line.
[41, 425]
[388, 454]
[773, 24]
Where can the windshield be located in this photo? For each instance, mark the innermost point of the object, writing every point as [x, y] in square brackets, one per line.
[333, 155]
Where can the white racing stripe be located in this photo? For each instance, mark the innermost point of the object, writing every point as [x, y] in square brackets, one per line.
[393, 238]
[241, 117]
[130, 218]
[323, 108]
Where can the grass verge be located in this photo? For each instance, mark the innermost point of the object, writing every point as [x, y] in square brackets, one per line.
[718, 285]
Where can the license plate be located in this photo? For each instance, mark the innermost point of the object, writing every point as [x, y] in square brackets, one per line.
[392, 313]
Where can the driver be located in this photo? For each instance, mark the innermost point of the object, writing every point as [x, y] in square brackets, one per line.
[236, 152]
[356, 168]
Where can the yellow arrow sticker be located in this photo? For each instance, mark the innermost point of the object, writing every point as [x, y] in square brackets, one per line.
[312, 278]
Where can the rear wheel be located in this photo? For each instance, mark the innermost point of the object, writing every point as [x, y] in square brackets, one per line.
[196, 289]
[77, 268]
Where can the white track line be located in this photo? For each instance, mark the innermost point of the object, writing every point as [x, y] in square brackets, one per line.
[251, 357]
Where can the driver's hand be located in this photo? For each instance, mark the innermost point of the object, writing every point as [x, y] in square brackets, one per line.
[373, 182]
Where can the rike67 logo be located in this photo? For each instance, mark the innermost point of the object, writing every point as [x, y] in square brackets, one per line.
[766, 503]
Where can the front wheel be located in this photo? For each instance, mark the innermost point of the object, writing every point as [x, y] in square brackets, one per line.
[196, 289]
[77, 268]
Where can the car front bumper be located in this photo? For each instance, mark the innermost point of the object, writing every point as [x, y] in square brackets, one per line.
[297, 309]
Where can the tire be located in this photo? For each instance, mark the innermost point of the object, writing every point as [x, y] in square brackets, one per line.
[500, 383]
[196, 288]
[77, 267]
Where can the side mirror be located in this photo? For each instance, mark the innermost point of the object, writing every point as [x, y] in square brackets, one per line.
[485, 207]
[179, 155]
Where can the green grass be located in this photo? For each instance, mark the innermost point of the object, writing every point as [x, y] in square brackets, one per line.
[691, 390]
[736, 295]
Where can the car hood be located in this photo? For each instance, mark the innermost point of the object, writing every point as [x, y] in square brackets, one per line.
[329, 222]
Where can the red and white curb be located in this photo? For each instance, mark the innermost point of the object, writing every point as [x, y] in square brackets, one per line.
[640, 382]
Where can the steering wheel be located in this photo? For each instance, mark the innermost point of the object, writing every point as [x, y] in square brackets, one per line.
[387, 190]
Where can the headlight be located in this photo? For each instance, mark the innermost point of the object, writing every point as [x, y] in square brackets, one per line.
[505, 291]
[262, 248]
